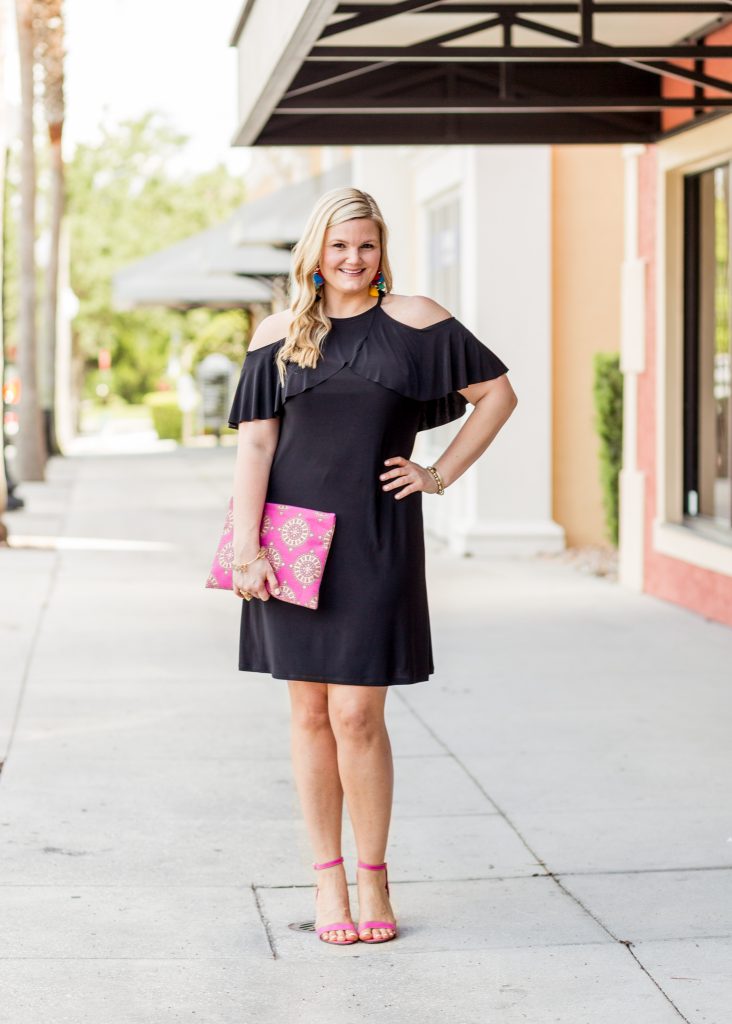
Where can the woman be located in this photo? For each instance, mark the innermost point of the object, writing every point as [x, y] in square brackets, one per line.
[331, 396]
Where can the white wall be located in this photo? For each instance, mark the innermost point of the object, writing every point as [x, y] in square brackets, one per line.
[503, 503]
[385, 172]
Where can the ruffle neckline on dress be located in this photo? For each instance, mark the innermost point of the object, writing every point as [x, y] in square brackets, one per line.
[427, 364]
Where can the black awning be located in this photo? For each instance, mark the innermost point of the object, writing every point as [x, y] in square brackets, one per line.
[492, 72]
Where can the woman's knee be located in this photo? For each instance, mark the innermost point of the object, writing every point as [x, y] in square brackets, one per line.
[356, 720]
[309, 702]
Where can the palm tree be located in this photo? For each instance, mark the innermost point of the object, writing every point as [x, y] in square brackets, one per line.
[50, 54]
[3, 164]
[31, 445]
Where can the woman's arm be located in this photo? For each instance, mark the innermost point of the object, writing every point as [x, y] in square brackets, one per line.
[494, 401]
[256, 446]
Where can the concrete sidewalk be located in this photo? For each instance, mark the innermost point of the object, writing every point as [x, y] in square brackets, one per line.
[561, 844]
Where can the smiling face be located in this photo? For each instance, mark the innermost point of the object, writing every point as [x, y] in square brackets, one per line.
[351, 254]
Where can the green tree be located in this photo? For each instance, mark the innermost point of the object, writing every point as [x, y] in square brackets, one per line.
[226, 333]
[124, 204]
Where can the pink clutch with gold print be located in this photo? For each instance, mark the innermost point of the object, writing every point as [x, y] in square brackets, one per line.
[297, 541]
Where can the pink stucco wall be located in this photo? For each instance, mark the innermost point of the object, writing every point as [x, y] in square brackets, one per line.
[701, 590]
[717, 67]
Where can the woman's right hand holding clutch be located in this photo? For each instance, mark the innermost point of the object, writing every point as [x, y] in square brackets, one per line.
[251, 579]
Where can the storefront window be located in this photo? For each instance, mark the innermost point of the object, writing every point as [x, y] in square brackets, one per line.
[707, 426]
[443, 226]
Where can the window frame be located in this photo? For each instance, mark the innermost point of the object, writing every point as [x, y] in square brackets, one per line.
[692, 330]
[671, 533]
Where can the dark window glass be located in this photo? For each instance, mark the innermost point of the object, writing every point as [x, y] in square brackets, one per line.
[707, 427]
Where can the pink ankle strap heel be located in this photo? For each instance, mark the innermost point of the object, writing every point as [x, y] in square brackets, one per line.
[377, 924]
[346, 926]
[328, 864]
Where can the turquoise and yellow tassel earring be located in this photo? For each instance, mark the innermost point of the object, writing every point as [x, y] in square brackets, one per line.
[318, 278]
[378, 285]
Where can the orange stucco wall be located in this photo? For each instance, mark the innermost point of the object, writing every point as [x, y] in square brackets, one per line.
[701, 590]
[587, 250]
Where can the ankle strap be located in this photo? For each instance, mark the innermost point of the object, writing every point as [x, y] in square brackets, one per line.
[372, 867]
[329, 863]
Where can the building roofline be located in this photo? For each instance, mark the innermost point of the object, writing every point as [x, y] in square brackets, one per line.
[241, 22]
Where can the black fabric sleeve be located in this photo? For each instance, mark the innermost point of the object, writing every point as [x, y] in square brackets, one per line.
[453, 359]
[258, 394]
[429, 364]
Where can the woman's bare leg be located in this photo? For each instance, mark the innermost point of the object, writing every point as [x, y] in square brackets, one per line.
[367, 776]
[315, 767]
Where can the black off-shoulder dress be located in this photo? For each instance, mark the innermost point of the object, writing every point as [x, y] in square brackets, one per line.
[376, 385]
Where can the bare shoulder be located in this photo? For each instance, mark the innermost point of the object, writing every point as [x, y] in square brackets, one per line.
[272, 328]
[414, 310]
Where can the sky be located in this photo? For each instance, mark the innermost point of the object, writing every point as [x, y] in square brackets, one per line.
[125, 57]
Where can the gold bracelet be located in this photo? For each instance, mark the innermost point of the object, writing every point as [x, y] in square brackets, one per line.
[437, 479]
[262, 553]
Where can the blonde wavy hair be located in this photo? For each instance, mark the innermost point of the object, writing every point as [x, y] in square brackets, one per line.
[310, 325]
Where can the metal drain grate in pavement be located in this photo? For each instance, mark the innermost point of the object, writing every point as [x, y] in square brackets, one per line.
[302, 926]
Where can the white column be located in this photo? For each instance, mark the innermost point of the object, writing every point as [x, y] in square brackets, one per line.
[502, 504]
[632, 363]
[507, 304]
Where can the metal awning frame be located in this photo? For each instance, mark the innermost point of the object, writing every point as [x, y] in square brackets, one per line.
[451, 89]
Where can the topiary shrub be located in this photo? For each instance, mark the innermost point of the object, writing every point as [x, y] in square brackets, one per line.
[607, 392]
[166, 415]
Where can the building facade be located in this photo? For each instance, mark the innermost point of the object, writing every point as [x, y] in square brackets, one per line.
[512, 240]
[676, 501]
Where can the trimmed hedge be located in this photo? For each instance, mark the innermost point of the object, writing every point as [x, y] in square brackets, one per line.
[607, 392]
[166, 415]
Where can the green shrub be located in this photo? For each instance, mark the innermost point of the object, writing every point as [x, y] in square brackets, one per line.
[166, 415]
[607, 392]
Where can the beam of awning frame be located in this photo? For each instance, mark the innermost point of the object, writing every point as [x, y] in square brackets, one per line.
[512, 54]
[544, 106]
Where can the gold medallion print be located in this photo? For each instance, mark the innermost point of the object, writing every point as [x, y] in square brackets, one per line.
[274, 557]
[294, 532]
[226, 556]
[307, 568]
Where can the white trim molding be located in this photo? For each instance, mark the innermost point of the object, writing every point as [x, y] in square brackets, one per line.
[514, 539]
[272, 38]
[632, 363]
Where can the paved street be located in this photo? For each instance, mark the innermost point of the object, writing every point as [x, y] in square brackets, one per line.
[561, 845]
